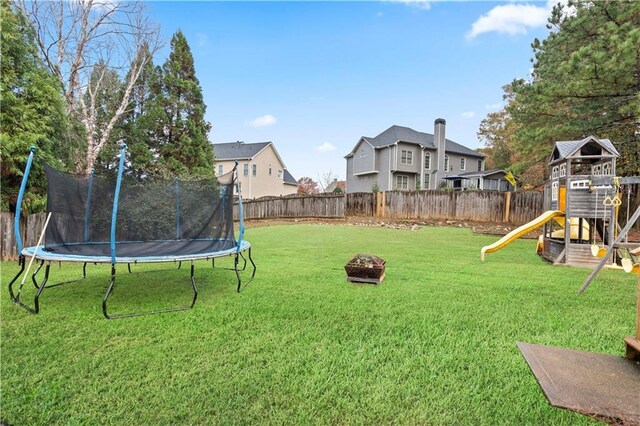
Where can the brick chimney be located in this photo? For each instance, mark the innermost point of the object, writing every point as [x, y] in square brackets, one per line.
[439, 141]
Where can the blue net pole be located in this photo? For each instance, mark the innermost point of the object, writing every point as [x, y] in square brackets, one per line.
[88, 208]
[177, 209]
[240, 211]
[116, 196]
[23, 187]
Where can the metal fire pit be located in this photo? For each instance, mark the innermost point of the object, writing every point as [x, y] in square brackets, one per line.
[365, 268]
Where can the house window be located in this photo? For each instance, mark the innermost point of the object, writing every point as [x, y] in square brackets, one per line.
[554, 173]
[563, 170]
[463, 163]
[446, 163]
[269, 170]
[402, 182]
[554, 190]
[426, 181]
[254, 169]
[427, 161]
[606, 168]
[479, 165]
[220, 170]
[246, 170]
[596, 170]
[406, 157]
[280, 174]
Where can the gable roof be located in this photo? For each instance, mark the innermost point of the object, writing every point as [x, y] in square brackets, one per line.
[482, 173]
[238, 150]
[565, 149]
[288, 178]
[405, 134]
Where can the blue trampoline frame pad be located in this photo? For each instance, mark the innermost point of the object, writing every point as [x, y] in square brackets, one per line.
[49, 256]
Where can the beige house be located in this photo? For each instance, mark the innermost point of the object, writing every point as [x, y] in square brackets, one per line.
[261, 171]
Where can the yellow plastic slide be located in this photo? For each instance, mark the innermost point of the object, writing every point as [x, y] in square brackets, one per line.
[520, 231]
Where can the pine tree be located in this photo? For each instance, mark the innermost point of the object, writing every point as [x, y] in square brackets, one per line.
[586, 81]
[184, 148]
[33, 111]
[143, 122]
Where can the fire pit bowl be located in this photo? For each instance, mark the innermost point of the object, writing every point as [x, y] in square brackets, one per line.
[365, 268]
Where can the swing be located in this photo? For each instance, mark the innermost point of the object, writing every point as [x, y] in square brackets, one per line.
[596, 250]
[630, 262]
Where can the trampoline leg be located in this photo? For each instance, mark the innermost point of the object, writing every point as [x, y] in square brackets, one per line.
[193, 287]
[36, 299]
[35, 272]
[109, 289]
[15, 297]
[21, 263]
[129, 267]
[253, 273]
[84, 270]
[105, 310]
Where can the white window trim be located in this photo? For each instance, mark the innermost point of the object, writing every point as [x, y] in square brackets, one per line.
[427, 163]
[245, 169]
[463, 163]
[563, 170]
[407, 156]
[554, 173]
[402, 182]
[555, 186]
[220, 169]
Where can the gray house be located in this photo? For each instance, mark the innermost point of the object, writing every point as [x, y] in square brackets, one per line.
[403, 158]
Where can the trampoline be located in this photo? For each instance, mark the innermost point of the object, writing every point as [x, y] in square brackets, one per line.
[122, 219]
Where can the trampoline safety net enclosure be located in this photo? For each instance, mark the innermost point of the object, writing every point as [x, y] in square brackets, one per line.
[121, 219]
[154, 218]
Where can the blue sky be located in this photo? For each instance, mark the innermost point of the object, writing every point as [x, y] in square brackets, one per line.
[315, 76]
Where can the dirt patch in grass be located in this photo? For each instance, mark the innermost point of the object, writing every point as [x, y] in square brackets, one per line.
[487, 228]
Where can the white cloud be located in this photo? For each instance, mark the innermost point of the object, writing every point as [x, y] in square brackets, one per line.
[418, 4]
[468, 114]
[510, 19]
[325, 147]
[262, 121]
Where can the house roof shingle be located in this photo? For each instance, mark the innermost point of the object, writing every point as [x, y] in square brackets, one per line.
[237, 150]
[566, 148]
[406, 134]
[288, 178]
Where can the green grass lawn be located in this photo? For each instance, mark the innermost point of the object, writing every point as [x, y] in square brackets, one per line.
[435, 343]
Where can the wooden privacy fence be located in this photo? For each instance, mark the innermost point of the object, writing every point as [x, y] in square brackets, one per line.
[30, 228]
[321, 206]
[483, 206]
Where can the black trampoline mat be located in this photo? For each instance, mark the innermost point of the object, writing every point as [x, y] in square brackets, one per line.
[144, 249]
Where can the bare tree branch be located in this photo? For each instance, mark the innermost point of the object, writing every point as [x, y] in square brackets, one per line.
[74, 37]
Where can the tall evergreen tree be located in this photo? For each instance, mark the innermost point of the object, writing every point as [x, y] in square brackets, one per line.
[143, 120]
[586, 81]
[33, 110]
[184, 148]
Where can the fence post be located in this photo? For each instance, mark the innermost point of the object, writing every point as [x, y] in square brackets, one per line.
[507, 206]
